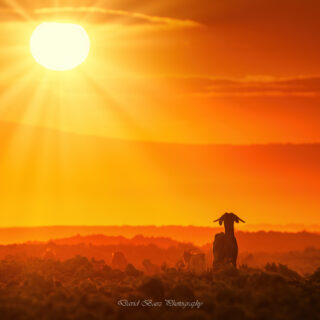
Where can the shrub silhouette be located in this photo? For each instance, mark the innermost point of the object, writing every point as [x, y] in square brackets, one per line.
[316, 276]
[132, 271]
[282, 270]
[153, 288]
[182, 292]
[36, 288]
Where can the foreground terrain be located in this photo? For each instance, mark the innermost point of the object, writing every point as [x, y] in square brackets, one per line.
[79, 288]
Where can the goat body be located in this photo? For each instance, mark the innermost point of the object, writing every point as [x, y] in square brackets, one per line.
[225, 247]
[225, 250]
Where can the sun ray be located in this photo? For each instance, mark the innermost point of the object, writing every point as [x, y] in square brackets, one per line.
[138, 132]
[116, 109]
[19, 10]
[11, 97]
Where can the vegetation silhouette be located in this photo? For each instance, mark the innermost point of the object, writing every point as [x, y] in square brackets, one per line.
[82, 288]
[85, 278]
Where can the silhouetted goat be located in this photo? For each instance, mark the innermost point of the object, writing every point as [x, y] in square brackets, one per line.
[225, 248]
[195, 262]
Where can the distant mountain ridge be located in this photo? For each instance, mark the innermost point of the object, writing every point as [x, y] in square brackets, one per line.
[99, 239]
[162, 237]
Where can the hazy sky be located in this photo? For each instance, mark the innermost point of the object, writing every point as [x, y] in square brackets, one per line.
[235, 71]
[180, 71]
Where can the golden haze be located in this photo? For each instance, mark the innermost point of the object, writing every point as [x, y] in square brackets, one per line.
[180, 111]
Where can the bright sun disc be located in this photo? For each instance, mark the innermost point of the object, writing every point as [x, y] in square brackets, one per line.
[59, 46]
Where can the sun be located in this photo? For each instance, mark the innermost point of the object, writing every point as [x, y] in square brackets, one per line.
[59, 46]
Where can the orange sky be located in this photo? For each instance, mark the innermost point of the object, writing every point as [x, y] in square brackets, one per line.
[235, 72]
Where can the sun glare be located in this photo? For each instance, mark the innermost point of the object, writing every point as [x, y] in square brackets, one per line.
[59, 46]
